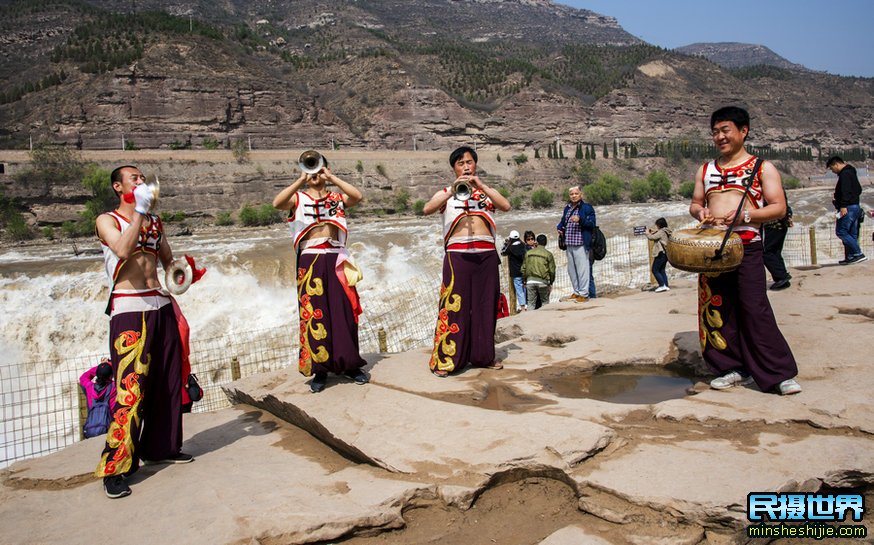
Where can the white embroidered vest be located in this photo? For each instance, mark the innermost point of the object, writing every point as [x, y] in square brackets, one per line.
[477, 205]
[310, 212]
[717, 179]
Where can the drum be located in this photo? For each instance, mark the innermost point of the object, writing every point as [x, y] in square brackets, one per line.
[694, 250]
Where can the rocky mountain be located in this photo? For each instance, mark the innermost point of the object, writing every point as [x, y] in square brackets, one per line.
[738, 55]
[380, 74]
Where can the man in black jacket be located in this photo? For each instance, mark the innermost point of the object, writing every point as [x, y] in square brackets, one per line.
[849, 213]
[515, 250]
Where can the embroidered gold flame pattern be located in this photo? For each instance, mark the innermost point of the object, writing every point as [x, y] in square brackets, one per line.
[448, 302]
[709, 316]
[119, 438]
[307, 287]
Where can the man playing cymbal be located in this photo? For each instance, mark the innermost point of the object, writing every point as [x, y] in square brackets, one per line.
[145, 341]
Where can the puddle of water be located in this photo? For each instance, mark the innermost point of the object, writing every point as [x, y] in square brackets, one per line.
[500, 397]
[624, 384]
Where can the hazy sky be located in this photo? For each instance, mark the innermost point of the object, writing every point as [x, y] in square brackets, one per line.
[836, 36]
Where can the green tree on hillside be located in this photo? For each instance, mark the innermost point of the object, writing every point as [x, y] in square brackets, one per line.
[103, 199]
[659, 184]
[542, 198]
[607, 190]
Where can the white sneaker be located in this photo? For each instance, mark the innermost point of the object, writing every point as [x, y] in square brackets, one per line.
[730, 379]
[789, 387]
[662, 288]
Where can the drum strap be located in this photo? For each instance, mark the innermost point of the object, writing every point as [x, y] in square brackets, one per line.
[718, 254]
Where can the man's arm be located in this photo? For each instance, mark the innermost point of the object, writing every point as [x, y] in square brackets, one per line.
[352, 195]
[437, 202]
[500, 202]
[165, 254]
[698, 207]
[589, 219]
[122, 244]
[287, 198]
[772, 191]
[561, 223]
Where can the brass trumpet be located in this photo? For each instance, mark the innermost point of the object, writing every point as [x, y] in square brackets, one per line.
[461, 190]
[311, 162]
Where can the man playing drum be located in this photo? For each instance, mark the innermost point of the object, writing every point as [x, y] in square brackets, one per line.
[465, 331]
[738, 332]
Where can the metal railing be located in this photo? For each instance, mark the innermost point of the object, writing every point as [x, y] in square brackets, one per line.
[42, 410]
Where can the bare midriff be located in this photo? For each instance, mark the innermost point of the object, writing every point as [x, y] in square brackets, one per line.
[470, 226]
[725, 202]
[324, 230]
[139, 272]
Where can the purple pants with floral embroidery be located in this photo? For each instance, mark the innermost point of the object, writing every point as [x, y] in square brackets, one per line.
[467, 317]
[328, 330]
[737, 327]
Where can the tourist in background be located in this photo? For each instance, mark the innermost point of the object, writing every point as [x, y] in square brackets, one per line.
[538, 270]
[739, 335]
[97, 381]
[328, 304]
[469, 292]
[660, 236]
[849, 213]
[515, 250]
[775, 235]
[530, 240]
[575, 227]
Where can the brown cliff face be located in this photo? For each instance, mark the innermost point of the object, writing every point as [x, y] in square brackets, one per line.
[190, 90]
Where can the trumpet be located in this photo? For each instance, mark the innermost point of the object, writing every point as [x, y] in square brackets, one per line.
[461, 190]
[311, 162]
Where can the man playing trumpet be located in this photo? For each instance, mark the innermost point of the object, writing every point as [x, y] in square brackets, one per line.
[328, 302]
[145, 345]
[465, 331]
[739, 334]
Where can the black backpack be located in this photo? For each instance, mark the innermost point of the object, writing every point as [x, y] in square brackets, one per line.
[599, 244]
[99, 415]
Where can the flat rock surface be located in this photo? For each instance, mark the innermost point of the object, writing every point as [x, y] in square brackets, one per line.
[520, 456]
[253, 476]
[406, 433]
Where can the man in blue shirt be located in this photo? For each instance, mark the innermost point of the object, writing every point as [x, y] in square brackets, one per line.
[576, 225]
